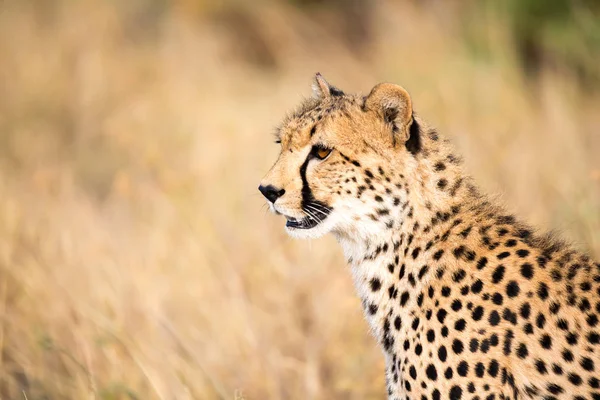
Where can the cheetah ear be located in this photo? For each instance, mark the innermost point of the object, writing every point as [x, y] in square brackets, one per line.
[322, 89]
[393, 104]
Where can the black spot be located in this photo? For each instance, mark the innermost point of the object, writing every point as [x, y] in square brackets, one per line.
[567, 355]
[482, 263]
[493, 368]
[463, 368]
[415, 323]
[546, 342]
[497, 299]
[522, 351]
[479, 370]
[555, 389]
[404, 298]
[431, 372]
[541, 367]
[557, 369]
[494, 340]
[498, 274]
[542, 291]
[494, 318]
[446, 291]
[473, 345]
[412, 371]
[441, 315]
[562, 324]
[455, 393]
[477, 313]
[375, 284]
[512, 289]
[522, 253]
[442, 183]
[587, 364]
[456, 305]
[372, 309]
[459, 275]
[508, 337]
[503, 255]
[416, 252]
[457, 346]
[397, 323]
[418, 349]
[430, 335]
[540, 321]
[470, 387]
[460, 325]
[442, 353]
[575, 379]
[527, 271]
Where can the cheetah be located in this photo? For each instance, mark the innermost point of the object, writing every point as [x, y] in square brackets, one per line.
[465, 301]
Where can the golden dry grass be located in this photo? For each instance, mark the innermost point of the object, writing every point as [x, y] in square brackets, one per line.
[136, 257]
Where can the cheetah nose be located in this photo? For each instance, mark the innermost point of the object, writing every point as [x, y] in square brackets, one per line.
[271, 192]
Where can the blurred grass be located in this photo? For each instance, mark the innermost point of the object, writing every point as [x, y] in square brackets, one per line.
[137, 259]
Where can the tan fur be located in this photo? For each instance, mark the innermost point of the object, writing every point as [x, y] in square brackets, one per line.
[465, 301]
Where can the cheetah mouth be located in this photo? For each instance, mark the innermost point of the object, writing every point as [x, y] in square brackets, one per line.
[303, 223]
[316, 213]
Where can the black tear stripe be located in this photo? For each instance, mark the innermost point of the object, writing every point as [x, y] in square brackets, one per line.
[307, 195]
[413, 144]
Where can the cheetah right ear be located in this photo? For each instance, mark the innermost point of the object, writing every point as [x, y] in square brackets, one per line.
[393, 104]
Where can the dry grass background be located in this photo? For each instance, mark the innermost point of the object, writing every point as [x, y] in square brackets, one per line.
[137, 259]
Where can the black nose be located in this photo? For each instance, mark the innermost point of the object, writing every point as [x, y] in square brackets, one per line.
[271, 192]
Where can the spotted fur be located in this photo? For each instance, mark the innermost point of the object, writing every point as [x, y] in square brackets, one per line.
[466, 301]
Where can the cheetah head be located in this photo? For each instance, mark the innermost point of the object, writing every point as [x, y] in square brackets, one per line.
[339, 153]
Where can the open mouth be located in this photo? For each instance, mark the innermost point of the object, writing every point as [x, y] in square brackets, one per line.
[308, 222]
[304, 223]
[315, 214]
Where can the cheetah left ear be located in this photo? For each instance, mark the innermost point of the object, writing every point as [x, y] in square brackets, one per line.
[393, 104]
[323, 90]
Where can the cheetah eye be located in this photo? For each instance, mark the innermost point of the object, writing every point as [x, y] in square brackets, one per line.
[321, 152]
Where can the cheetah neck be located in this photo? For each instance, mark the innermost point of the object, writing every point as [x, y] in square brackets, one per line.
[391, 254]
[416, 205]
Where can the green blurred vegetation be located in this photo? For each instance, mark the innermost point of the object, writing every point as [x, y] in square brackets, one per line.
[557, 33]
